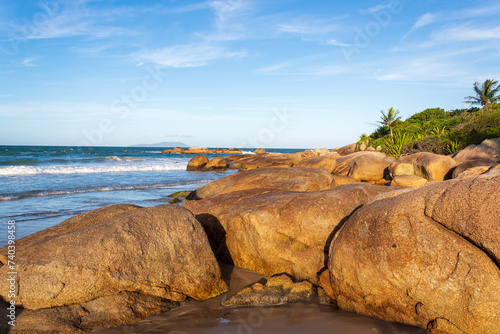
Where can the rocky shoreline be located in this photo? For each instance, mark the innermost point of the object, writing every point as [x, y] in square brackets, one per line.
[413, 240]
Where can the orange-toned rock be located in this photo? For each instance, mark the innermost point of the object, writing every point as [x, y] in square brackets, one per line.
[432, 167]
[426, 256]
[290, 179]
[345, 163]
[408, 181]
[197, 163]
[346, 150]
[328, 162]
[483, 165]
[368, 167]
[276, 231]
[232, 151]
[217, 163]
[259, 151]
[109, 258]
[264, 160]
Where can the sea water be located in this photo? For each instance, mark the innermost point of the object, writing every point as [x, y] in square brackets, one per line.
[41, 186]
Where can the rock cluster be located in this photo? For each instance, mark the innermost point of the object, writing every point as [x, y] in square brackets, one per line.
[414, 240]
[203, 150]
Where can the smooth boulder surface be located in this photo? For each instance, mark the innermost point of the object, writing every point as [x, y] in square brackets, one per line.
[408, 181]
[430, 166]
[369, 167]
[217, 163]
[327, 161]
[345, 163]
[264, 160]
[161, 253]
[276, 231]
[470, 164]
[197, 163]
[426, 256]
[292, 179]
[489, 149]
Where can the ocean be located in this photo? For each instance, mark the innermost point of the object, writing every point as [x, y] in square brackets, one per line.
[40, 186]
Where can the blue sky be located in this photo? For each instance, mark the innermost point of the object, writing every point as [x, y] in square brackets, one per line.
[234, 73]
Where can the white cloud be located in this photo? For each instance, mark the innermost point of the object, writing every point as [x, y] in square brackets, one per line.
[309, 26]
[29, 62]
[226, 10]
[377, 8]
[189, 55]
[466, 33]
[439, 68]
[337, 43]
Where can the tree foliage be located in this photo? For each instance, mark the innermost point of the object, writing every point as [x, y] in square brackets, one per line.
[486, 94]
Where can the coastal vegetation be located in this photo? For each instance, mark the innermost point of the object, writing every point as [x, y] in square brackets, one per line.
[439, 131]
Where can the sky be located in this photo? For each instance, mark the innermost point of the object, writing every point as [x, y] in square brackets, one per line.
[234, 73]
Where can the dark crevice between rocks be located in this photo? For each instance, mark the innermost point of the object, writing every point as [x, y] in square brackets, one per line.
[332, 235]
[216, 235]
[472, 242]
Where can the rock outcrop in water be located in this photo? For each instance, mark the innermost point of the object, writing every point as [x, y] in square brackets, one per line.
[111, 266]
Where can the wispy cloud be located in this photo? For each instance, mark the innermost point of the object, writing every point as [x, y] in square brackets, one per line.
[226, 10]
[309, 26]
[425, 69]
[468, 13]
[189, 55]
[29, 62]
[465, 32]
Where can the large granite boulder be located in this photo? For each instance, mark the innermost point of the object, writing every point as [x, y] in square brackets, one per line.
[368, 167]
[263, 160]
[346, 150]
[345, 163]
[463, 167]
[489, 149]
[327, 161]
[217, 163]
[276, 231]
[430, 166]
[197, 163]
[291, 179]
[115, 256]
[427, 256]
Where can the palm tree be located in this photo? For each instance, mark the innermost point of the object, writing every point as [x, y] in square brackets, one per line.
[486, 93]
[390, 119]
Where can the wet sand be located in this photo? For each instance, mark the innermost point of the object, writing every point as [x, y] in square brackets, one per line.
[207, 317]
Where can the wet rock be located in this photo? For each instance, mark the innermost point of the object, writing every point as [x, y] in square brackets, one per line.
[277, 291]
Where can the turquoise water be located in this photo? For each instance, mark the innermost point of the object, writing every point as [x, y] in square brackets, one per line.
[41, 186]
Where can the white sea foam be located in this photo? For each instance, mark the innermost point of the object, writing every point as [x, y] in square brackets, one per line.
[58, 169]
[97, 189]
[247, 152]
[115, 158]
